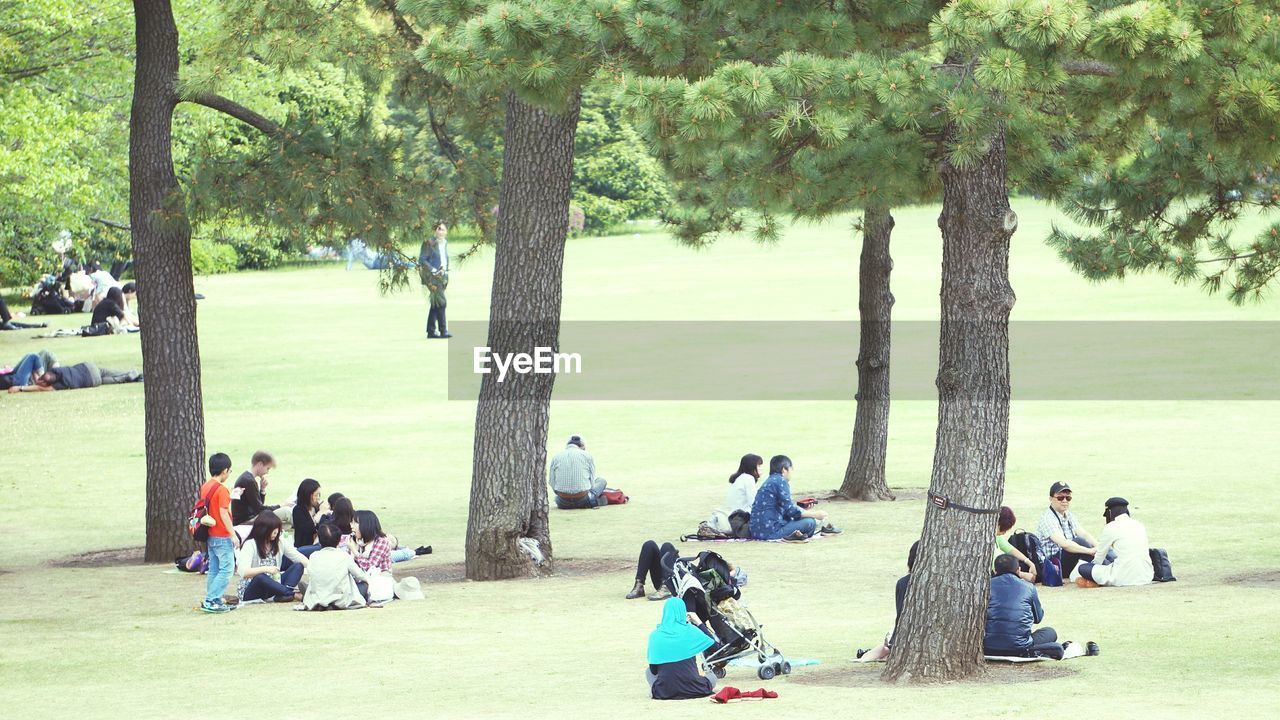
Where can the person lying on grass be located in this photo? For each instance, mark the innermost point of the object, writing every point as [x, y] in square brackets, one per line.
[335, 578]
[775, 516]
[269, 566]
[77, 377]
[675, 646]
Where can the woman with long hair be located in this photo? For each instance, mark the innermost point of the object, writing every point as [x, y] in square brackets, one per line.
[269, 566]
[370, 545]
[306, 513]
[742, 493]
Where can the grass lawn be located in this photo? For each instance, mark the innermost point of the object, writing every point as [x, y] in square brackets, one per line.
[340, 384]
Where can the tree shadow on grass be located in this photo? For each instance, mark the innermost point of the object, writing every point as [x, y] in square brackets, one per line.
[868, 674]
[1269, 579]
[115, 557]
[824, 496]
[565, 567]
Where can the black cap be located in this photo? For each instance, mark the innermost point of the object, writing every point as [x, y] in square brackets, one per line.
[575, 440]
[1058, 487]
[1115, 506]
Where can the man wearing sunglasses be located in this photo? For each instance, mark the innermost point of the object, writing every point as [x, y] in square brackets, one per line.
[1059, 531]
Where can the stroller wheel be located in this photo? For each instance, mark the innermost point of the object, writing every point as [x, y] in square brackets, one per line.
[786, 668]
[766, 672]
[719, 671]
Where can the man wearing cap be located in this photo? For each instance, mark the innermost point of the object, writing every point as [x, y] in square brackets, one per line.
[573, 477]
[1128, 539]
[1059, 532]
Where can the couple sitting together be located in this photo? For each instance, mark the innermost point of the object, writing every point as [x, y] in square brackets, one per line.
[767, 512]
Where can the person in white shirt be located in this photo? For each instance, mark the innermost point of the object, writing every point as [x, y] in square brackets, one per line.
[1128, 538]
[742, 492]
[102, 282]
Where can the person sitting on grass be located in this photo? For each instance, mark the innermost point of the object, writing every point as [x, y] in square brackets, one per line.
[369, 544]
[573, 477]
[775, 516]
[741, 495]
[653, 562]
[250, 491]
[113, 310]
[1128, 539]
[675, 671]
[1012, 609]
[306, 515]
[334, 578]
[881, 651]
[269, 566]
[1061, 535]
[344, 514]
[1004, 525]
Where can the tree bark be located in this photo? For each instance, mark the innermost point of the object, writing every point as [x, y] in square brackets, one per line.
[939, 637]
[161, 234]
[864, 478]
[508, 482]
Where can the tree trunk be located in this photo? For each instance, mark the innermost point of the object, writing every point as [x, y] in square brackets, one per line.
[864, 478]
[940, 634]
[508, 482]
[174, 424]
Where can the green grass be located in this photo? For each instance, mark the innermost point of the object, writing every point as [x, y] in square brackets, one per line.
[339, 383]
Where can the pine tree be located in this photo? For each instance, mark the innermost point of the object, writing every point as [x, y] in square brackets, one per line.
[1030, 94]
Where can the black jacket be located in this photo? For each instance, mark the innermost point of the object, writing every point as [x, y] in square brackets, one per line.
[1013, 608]
[249, 505]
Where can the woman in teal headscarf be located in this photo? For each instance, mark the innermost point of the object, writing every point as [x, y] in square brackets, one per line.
[674, 646]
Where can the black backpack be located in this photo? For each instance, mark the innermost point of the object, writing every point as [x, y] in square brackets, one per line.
[740, 523]
[1028, 544]
[1162, 571]
[723, 585]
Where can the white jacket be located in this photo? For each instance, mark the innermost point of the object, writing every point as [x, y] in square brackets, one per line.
[1132, 565]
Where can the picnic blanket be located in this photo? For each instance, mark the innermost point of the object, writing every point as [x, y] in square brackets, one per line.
[751, 662]
[695, 537]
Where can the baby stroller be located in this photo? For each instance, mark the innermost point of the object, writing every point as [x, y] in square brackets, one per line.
[709, 589]
[48, 299]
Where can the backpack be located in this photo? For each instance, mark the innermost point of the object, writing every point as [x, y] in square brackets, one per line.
[95, 330]
[714, 572]
[1029, 544]
[615, 497]
[740, 524]
[198, 530]
[1162, 571]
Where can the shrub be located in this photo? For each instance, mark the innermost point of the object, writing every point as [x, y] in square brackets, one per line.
[212, 258]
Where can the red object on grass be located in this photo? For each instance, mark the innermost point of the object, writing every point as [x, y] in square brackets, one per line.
[732, 693]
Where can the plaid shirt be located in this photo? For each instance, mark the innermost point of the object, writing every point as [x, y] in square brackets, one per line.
[1051, 522]
[572, 471]
[378, 556]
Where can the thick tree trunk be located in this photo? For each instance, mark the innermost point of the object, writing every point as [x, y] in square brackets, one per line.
[864, 478]
[940, 634]
[508, 483]
[174, 424]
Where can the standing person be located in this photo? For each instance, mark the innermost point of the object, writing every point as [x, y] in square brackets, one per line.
[306, 516]
[573, 477]
[433, 270]
[222, 557]
[1060, 533]
[741, 495]
[1013, 607]
[250, 491]
[269, 566]
[1128, 538]
[775, 516]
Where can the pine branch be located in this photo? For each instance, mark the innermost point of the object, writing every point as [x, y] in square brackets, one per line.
[403, 27]
[1088, 67]
[111, 224]
[237, 111]
[34, 70]
[1228, 258]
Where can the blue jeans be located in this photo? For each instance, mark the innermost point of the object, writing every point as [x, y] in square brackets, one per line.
[402, 554]
[222, 560]
[808, 526]
[591, 500]
[305, 551]
[265, 587]
[29, 365]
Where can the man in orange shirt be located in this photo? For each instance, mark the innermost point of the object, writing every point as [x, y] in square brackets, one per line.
[222, 558]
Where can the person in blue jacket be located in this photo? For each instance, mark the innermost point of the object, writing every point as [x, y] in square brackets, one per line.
[1012, 609]
[775, 516]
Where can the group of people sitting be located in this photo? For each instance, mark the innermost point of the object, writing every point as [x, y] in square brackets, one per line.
[41, 372]
[344, 552]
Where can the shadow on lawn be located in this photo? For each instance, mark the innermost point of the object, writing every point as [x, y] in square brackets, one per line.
[1264, 579]
[899, 495]
[114, 557]
[868, 674]
[565, 567]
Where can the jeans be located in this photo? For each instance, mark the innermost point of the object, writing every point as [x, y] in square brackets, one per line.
[808, 526]
[115, 377]
[401, 555]
[29, 366]
[222, 560]
[265, 587]
[590, 500]
[305, 551]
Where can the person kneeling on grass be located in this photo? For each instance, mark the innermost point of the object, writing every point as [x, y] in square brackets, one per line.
[675, 647]
[333, 576]
[775, 516]
[269, 566]
[1012, 609]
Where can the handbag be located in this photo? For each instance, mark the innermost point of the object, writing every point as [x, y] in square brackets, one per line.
[1162, 571]
[382, 587]
[1053, 570]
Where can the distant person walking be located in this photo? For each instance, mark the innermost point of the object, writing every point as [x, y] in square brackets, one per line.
[433, 269]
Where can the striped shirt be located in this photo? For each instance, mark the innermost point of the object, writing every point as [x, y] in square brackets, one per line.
[572, 471]
[1051, 522]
